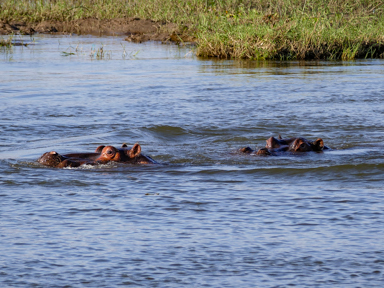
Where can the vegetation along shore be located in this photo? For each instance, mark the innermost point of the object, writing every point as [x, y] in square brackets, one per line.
[247, 29]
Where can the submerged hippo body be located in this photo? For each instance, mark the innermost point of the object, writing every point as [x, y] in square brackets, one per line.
[102, 155]
[276, 146]
[54, 159]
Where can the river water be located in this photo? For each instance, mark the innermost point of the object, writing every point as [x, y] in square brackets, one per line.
[207, 217]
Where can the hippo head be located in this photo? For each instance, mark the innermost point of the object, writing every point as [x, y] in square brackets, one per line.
[52, 159]
[272, 143]
[303, 145]
[111, 153]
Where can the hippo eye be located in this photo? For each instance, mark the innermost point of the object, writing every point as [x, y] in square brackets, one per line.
[302, 145]
[109, 152]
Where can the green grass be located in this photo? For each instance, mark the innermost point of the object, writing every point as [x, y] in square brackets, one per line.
[249, 29]
[5, 43]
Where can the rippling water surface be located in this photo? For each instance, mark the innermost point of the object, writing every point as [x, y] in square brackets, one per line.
[208, 217]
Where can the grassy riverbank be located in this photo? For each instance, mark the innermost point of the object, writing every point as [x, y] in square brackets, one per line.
[250, 29]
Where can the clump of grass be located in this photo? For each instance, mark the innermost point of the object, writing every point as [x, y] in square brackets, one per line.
[249, 29]
[6, 43]
[6, 47]
[96, 52]
[100, 54]
[295, 30]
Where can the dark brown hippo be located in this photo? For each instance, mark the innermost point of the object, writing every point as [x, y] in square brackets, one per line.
[124, 154]
[276, 146]
[273, 143]
[303, 145]
[54, 159]
[103, 154]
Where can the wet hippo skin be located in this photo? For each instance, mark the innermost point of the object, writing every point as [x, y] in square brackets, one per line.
[124, 154]
[103, 154]
[54, 159]
[276, 146]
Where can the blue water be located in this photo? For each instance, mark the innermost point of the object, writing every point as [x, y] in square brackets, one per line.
[208, 216]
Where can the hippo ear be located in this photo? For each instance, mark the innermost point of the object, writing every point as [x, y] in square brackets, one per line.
[134, 151]
[99, 149]
[318, 144]
[280, 137]
[124, 145]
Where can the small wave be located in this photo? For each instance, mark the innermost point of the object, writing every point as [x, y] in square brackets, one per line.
[167, 132]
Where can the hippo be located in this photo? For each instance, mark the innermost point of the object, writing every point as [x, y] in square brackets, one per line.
[102, 155]
[276, 146]
[54, 159]
[124, 154]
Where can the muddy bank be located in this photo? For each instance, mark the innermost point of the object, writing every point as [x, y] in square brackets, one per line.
[132, 29]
